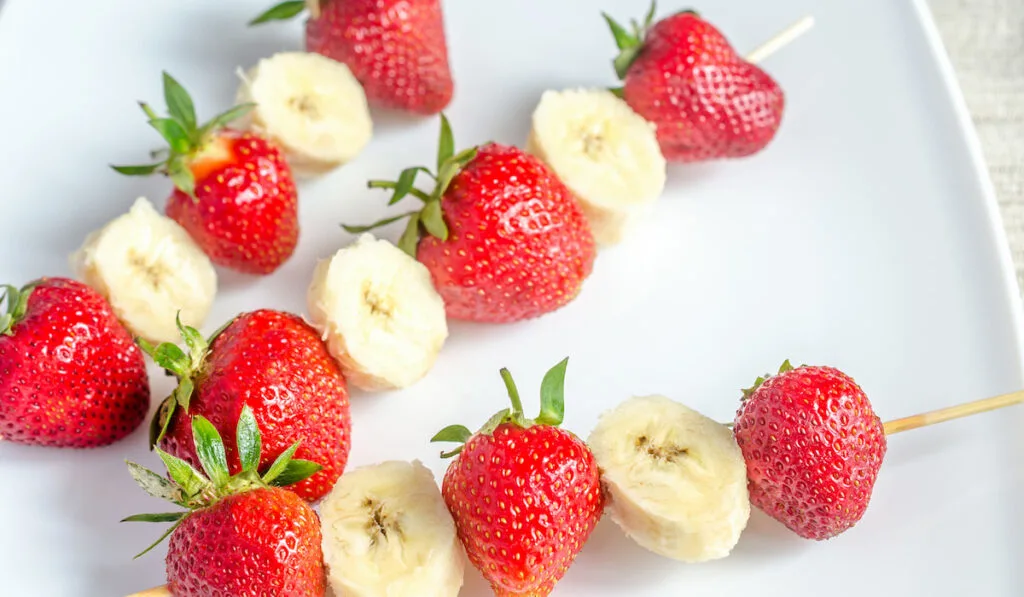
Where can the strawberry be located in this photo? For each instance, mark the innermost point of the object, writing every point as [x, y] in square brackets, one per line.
[273, 363]
[241, 535]
[234, 192]
[395, 48]
[70, 374]
[707, 101]
[524, 494]
[813, 447]
[505, 239]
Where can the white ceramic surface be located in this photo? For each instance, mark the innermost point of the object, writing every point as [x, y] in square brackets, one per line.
[865, 237]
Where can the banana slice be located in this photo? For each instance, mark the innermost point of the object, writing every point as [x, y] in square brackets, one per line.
[387, 533]
[149, 269]
[676, 479]
[604, 152]
[311, 106]
[379, 313]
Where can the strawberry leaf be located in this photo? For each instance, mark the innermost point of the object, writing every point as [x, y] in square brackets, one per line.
[624, 60]
[433, 220]
[280, 464]
[623, 38]
[179, 104]
[154, 484]
[189, 479]
[210, 449]
[446, 143]
[172, 132]
[194, 341]
[224, 118]
[453, 433]
[405, 183]
[377, 224]
[411, 236]
[295, 471]
[162, 517]
[513, 393]
[166, 534]
[143, 170]
[280, 12]
[249, 441]
[649, 17]
[552, 395]
[183, 393]
[162, 420]
[182, 177]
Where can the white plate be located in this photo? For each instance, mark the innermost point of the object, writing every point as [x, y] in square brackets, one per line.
[866, 237]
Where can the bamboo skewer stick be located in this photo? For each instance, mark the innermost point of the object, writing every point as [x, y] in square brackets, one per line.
[953, 412]
[783, 38]
[895, 426]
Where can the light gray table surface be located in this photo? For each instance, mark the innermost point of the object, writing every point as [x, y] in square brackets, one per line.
[985, 41]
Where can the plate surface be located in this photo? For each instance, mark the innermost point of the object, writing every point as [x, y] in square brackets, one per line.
[865, 237]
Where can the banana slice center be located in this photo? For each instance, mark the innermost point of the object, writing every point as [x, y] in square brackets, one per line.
[593, 140]
[380, 305]
[381, 526]
[668, 452]
[306, 105]
[154, 270]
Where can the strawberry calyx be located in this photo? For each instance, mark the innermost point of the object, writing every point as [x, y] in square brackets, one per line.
[17, 305]
[187, 140]
[786, 366]
[629, 41]
[185, 365]
[193, 490]
[288, 10]
[552, 410]
[429, 219]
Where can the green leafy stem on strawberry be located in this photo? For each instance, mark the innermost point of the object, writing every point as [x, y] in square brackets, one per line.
[184, 365]
[552, 409]
[186, 138]
[17, 304]
[429, 218]
[286, 11]
[193, 490]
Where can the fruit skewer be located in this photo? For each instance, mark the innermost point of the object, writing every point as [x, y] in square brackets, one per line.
[894, 426]
[781, 39]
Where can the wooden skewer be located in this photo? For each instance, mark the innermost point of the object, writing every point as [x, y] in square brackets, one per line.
[784, 37]
[161, 591]
[953, 412]
[313, 7]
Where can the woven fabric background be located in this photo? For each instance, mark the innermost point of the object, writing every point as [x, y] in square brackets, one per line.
[985, 41]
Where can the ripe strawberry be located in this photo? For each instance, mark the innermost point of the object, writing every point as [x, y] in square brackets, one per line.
[707, 101]
[234, 193]
[395, 48]
[274, 363]
[813, 447]
[524, 494]
[506, 240]
[240, 536]
[70, 375]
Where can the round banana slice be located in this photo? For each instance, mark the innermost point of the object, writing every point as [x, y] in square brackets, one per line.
[379, 313]
[310, 105]
[606, 154]
[676, 479]
[387, 533]
[149, 269]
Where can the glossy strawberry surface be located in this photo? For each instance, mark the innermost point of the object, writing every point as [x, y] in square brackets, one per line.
[813, 448]
[261, 543]
[277, 365]
[518, 246]
[706, 101]
[70, 374]
[245, 211]
[396, 48]
[524, 501]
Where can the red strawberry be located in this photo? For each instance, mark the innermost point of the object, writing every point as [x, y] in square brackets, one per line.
[70, 374]
[706, 100]
[395, 48]
[506, 240]
[274, 363]
[239, 536]
[524, 494]
[813, 447]
[234, 193]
